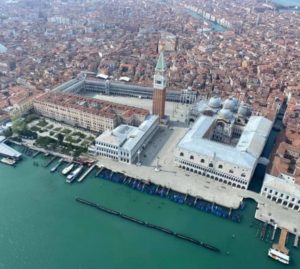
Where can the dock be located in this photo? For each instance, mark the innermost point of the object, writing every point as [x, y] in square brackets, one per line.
[86, 173]
[274, 232]
[280, 246]
[51, 161]
[36, 154]
[100, 170]
[7, 151]
[296, 240]
[263, 231]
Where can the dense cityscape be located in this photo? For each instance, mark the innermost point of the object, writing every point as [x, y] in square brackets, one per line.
[195, 101]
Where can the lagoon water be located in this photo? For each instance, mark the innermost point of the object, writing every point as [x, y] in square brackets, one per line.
[41, 226]
[287, 2]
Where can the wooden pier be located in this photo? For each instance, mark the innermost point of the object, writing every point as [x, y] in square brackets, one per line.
[280, 246]
[86, 173]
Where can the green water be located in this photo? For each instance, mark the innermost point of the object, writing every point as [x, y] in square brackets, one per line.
[287, 2]
[41, 226]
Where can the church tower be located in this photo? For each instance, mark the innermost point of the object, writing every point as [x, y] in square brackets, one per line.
[159, 85]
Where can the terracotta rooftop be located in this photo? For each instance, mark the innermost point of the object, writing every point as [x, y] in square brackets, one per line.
[91, 105]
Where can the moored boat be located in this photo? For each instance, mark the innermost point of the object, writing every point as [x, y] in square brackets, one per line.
[279, 252]
[279, 256]
[68, 169]
[72, 176]
[54, 168]
[8, 161]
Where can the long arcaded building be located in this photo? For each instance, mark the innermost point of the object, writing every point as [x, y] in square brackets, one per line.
[92, 114]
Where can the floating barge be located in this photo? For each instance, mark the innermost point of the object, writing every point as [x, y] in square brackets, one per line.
[163, 192]
[149, 225]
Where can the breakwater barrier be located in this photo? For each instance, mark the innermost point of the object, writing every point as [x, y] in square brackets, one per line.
[149, 225]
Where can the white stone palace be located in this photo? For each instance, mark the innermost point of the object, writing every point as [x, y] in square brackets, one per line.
[224, 143]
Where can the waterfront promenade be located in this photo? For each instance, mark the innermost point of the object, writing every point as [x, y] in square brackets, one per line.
[195, 185]
[207, 189]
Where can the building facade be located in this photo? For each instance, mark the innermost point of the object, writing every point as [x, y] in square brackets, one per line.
[282, 190]
[88, 113]
[125, 143]
[159, 85]
[224, 145]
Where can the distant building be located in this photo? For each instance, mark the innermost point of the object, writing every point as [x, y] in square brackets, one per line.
[282, 190]
[159, 85]
[188, 96]
[224, 143]
[167, 42]
[2, 49]
[126, 142]
[89, 113]
[287, 159]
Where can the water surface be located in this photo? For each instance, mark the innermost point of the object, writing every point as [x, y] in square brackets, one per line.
[41, 226]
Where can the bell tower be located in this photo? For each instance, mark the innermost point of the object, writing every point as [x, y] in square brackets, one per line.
[159, 85]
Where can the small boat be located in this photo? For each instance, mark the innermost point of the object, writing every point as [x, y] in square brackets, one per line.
[74, 174]
[279, 256]
[8, 161]
[68, 169]
[54, 168]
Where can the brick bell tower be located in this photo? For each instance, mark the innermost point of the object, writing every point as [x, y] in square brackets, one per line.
[159, 85]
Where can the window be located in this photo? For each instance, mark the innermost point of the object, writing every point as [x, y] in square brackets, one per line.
[231, 171]
[181, 154]
[243, 175]
[192, 157]
[211, 165]
[220, 166]
[202, 160]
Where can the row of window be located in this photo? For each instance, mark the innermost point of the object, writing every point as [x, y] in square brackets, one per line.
[284, 203]
[106, 145]
[281, 195]
[227, 181]
[211, 165]
[113, 157]
[223, 175]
